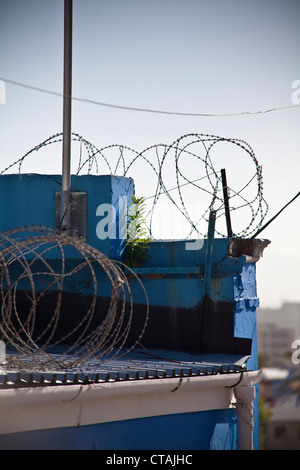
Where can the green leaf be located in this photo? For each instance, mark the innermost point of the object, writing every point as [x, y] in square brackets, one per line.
[137, 243]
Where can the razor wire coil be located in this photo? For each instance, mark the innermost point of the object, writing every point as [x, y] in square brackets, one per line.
[162, 160]
[26, 258]
[28, 252]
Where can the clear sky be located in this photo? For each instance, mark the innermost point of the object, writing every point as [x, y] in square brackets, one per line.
[190, 56]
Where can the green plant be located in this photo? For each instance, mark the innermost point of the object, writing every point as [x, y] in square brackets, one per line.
[137, 242]
[264, 416]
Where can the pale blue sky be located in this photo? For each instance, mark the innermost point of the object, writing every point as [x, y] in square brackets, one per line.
[190, 56]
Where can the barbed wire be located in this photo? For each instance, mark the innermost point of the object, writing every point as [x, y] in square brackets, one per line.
[168, 166]
[39, 267]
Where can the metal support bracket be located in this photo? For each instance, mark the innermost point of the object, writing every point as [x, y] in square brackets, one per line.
[77, 211]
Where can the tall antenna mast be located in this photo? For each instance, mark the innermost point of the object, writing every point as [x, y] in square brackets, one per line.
[67, 106]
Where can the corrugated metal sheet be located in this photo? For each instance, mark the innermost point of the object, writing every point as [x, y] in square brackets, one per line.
[137, 365]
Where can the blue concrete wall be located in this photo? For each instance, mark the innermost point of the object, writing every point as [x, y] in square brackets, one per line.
[205, 430]
[172, 274]
[173, 277]
[30, 199]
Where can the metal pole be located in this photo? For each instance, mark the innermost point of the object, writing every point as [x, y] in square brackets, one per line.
[226, 202]
[209, 253]
[67, 105]
[276, 215]
[205, 319]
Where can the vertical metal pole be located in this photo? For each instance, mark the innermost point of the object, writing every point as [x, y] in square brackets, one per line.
[205, 320]
[226, 202]
[67, 106]
[209, 253]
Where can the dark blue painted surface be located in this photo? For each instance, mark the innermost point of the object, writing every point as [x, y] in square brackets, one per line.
[206, 430]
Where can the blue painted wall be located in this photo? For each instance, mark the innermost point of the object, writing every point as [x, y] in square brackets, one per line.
[30, 199]
[233, 281]
[205, 430]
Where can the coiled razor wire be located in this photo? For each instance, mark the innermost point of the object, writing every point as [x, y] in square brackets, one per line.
[26, 257]
[27, 254]
[168, 166]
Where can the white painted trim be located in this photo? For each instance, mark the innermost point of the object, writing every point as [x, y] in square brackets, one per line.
[245, 395]
[76, 405]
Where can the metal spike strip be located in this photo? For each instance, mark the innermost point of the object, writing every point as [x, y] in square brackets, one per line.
[21, 380]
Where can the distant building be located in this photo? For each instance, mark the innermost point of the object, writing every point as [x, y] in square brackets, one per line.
[283, 429]
[274, 342]
[272, 379]
[279, 389]
[287, 316]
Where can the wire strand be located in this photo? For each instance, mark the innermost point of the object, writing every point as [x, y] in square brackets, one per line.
[146, 110]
